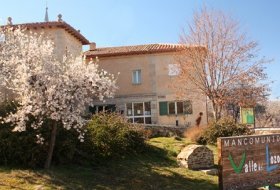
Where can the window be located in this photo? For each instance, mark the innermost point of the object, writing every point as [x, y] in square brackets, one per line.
[139, 112]
[147, 108]
[129, 109]
[136, 77]
[171, 108]
[109, 108]
[173, 69]
[175, 108]
[188, 107]
[138, 108]
[180, 107]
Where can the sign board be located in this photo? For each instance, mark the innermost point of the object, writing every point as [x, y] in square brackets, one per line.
[248, 162]
[247, 116]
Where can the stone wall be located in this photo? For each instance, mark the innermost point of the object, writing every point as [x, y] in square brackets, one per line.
[196, 157]
[164, 131]
[263, 131]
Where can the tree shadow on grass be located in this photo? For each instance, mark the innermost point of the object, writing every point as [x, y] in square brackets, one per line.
[153, 169]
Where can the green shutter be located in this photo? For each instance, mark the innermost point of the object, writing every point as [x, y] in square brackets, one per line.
[163, 108]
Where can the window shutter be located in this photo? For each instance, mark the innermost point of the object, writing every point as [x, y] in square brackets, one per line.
[163, 108]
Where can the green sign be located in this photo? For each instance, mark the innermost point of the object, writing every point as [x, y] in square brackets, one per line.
[247, 116]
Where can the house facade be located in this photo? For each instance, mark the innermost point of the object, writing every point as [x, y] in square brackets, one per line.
[146, 76]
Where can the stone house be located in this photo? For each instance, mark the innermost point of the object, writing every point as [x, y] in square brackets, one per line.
[145, 77]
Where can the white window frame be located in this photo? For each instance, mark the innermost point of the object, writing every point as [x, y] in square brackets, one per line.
[136, 76]
[176, 108]
[145, 113]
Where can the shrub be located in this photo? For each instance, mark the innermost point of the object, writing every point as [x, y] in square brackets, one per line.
[110, 135]
[22, 149]
[225, 127]
[195, 134]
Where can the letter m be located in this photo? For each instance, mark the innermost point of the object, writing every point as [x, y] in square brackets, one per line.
[226, 142]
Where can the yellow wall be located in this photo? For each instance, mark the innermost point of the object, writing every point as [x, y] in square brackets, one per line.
[155, 87]
[62, 41]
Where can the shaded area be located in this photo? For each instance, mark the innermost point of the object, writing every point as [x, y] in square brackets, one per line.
[154, 169]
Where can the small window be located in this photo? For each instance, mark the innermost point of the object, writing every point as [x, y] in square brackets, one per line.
[171, 107]
[129, 109]
[139, 120]
[136, 77]
[188, 107]
[173, 69]
[147, 108]
[138, 109]
[180, 108]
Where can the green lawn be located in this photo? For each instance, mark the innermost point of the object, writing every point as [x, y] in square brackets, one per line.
[156, 169]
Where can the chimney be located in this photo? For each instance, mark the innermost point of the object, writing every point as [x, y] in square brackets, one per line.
[9, 21]
[59, 18]
[92, 46]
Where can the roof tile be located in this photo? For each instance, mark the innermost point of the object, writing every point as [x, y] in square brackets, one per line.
[136, 49]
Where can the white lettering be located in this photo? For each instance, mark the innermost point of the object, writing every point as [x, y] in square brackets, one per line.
[257, 140]
[233, 143]
[245, 141]
[226, 142]
[246, 168]
[239, 142]
[255, 167]
[251, 141]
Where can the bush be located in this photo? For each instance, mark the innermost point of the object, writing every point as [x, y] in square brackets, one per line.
[110, 135]
[22, 149]
[225, 127]
[16, 148]
[195, 134]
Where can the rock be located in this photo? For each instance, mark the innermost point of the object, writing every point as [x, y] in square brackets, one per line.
[213, 171]
[196, 157]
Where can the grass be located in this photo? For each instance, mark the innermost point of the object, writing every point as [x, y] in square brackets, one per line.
[155, 169]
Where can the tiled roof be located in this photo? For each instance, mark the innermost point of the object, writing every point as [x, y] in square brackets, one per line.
[58, 24]
[134, 50]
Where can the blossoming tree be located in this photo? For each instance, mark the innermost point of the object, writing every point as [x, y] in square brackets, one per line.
[47, 89]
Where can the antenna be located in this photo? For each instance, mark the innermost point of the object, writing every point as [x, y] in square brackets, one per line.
[46, 14]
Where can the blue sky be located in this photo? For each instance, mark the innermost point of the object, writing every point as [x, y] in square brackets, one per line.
[130, 22]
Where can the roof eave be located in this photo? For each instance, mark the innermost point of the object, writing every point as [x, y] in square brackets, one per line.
[68, 28]
[89, 55]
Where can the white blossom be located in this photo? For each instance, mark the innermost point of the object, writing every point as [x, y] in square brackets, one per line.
[48, 88]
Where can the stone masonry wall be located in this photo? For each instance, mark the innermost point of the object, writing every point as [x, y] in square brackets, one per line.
[196, 157]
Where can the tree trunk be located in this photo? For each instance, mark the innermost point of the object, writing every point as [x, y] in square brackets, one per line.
[51, 146]
[216, 111]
